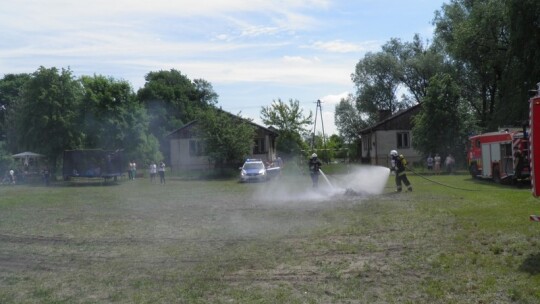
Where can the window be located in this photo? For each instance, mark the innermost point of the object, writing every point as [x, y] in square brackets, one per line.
[258, 146]
[196, 147]
[403, 140]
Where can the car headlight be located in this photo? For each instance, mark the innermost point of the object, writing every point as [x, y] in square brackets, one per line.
[243, 172]
[262, 172]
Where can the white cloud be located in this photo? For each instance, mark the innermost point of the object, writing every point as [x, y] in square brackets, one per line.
[296, 60]
[334, 99]
[255, 31]
[339, 46]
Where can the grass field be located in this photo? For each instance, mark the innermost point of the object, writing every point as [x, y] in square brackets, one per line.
[452, 240]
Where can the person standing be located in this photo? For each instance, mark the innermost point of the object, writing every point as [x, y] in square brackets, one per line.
[314, 167]
[134, 170]
[12, 176]
[430, 162]
[449, 163]
[161, 172]
[46, 176]
[437, 160]
[400, 164]
[130, 171]
[153, 172]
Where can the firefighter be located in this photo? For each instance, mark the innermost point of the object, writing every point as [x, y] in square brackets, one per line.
[399, 164]
[314, 166]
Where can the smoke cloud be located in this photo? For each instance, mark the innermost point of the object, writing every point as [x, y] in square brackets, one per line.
[360, 181]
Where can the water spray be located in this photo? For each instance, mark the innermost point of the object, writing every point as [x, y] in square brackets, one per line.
[326, 179]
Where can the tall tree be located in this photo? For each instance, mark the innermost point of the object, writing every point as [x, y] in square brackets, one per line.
[10, 93]
[204, 94]
[524, 55]
[349, 123]
[172, 100]
[476, 36]
[46, 119]
[113, 119]
[166, 96]
[443, 107]
[348, 120]
[377, 80]
[290, 121]
[416, 64]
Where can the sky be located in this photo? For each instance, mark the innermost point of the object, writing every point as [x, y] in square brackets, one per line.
[253, 52]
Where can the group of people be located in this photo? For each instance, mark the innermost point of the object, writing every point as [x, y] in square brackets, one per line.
[153, 169]
[434, 163]
[18, 176]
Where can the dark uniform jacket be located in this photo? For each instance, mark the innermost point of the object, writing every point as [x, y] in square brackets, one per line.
[314, 165]
[401, 163]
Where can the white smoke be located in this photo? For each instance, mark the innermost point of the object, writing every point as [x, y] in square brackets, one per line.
[297, 191]
[369, 180]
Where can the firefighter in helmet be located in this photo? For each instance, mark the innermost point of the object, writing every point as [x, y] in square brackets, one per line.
[399, 164]
[314, 166]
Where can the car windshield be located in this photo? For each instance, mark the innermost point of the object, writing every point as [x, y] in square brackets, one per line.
[253, 166]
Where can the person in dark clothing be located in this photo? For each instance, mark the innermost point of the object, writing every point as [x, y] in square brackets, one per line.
[314, 166]
[399, 164]
[46, 176]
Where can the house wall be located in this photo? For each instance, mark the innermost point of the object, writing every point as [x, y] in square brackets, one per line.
[382, 142]
[182, 160]
[269, 153]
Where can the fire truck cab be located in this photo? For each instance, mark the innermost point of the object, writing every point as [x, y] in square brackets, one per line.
[493, 155]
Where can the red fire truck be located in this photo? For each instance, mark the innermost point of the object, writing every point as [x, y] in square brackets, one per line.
[492, 155]
[534, 123]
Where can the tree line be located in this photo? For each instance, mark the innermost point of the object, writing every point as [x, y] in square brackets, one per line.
[473, 75]
[51, 110]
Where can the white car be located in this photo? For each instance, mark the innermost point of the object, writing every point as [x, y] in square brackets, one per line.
[253, 170]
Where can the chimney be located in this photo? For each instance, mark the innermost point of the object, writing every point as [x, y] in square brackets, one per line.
[384, 114]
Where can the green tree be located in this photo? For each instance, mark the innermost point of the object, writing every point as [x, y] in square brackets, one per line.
[348, 120]
[113, 119]
[377, 79]
[349, 123]
[416, 64]
[444, 123]
[172, 100]
[290, 122]
[228, 138]
[10, 93]
[204, 94]
[46, 118]
[330, 147]
[476, 36]
[524, 54]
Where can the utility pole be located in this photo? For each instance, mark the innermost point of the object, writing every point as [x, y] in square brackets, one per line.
[318, 110]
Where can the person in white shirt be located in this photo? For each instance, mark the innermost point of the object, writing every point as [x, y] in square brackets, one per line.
[153, 172]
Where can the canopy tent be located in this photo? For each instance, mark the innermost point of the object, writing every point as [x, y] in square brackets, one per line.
[27, 156]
